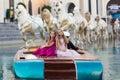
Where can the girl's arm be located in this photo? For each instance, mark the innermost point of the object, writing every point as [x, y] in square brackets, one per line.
[50, 44]
[57, 43]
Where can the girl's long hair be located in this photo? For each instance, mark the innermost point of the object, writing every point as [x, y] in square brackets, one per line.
[63, 36]
[50, 36]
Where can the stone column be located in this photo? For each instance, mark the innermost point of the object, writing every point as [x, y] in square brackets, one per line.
[93, 8]
[82, 7]
[85, 5]
[103, 7]
[2, 11]
[30, 7]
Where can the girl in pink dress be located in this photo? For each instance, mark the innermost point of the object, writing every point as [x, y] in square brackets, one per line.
[61, 45]
[49, 49]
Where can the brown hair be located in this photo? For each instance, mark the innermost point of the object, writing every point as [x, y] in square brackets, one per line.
[50, 36]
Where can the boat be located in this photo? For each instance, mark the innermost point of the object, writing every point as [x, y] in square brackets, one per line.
[28, 66]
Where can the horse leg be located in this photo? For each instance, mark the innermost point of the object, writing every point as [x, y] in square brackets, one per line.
[33, 35]
[79, 40]
[24, 36]
[90, 38]
[82, 39]
[45, 28]
[41, 34]
[74, 37]
[87, 36]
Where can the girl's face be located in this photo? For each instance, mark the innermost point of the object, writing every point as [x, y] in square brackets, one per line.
[60, 32]
[52, 34]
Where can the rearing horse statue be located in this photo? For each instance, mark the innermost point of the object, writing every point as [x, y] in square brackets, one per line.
[28, 24]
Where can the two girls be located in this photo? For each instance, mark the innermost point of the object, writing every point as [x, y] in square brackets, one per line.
[56, 46]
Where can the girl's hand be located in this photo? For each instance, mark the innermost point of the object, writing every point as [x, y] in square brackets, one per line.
[43, 46]
[64, 50]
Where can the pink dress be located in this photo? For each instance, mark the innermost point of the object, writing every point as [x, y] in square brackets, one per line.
[46, 51]
[68, 52]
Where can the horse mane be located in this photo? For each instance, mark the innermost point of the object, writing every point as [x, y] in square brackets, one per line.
[46, 7]
[20, 3]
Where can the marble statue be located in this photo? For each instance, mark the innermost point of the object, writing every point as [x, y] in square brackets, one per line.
[101, 28]
[65, 20]
[50, 22]
[28, 24]
[89, 27]
[117, 26]
[80, 25]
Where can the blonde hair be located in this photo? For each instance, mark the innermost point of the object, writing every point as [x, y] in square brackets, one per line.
[63, 36]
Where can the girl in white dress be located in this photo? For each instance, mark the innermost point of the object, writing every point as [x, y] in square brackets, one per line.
[61, 45]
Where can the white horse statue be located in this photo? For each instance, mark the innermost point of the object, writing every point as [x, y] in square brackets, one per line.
[117, 26]
[65, 21]
[50, 22]
[90, 27]
[101, 28]
[28, 24]
[80, 25]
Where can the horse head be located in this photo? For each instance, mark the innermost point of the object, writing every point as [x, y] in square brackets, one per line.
[76, 11]
[46, 14]
[57, 7]
[88, 16]
[97, 19]
[20, 9]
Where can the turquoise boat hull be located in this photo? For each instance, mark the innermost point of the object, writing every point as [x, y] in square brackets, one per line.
[85, 69]
[88, 70]
[29, 69]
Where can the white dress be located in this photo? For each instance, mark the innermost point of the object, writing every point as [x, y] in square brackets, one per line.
[68, 52]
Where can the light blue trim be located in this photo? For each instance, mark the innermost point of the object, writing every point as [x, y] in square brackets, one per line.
[29, 69]
[88, 70]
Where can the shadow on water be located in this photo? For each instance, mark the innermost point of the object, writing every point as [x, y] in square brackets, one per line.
[107, 51]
